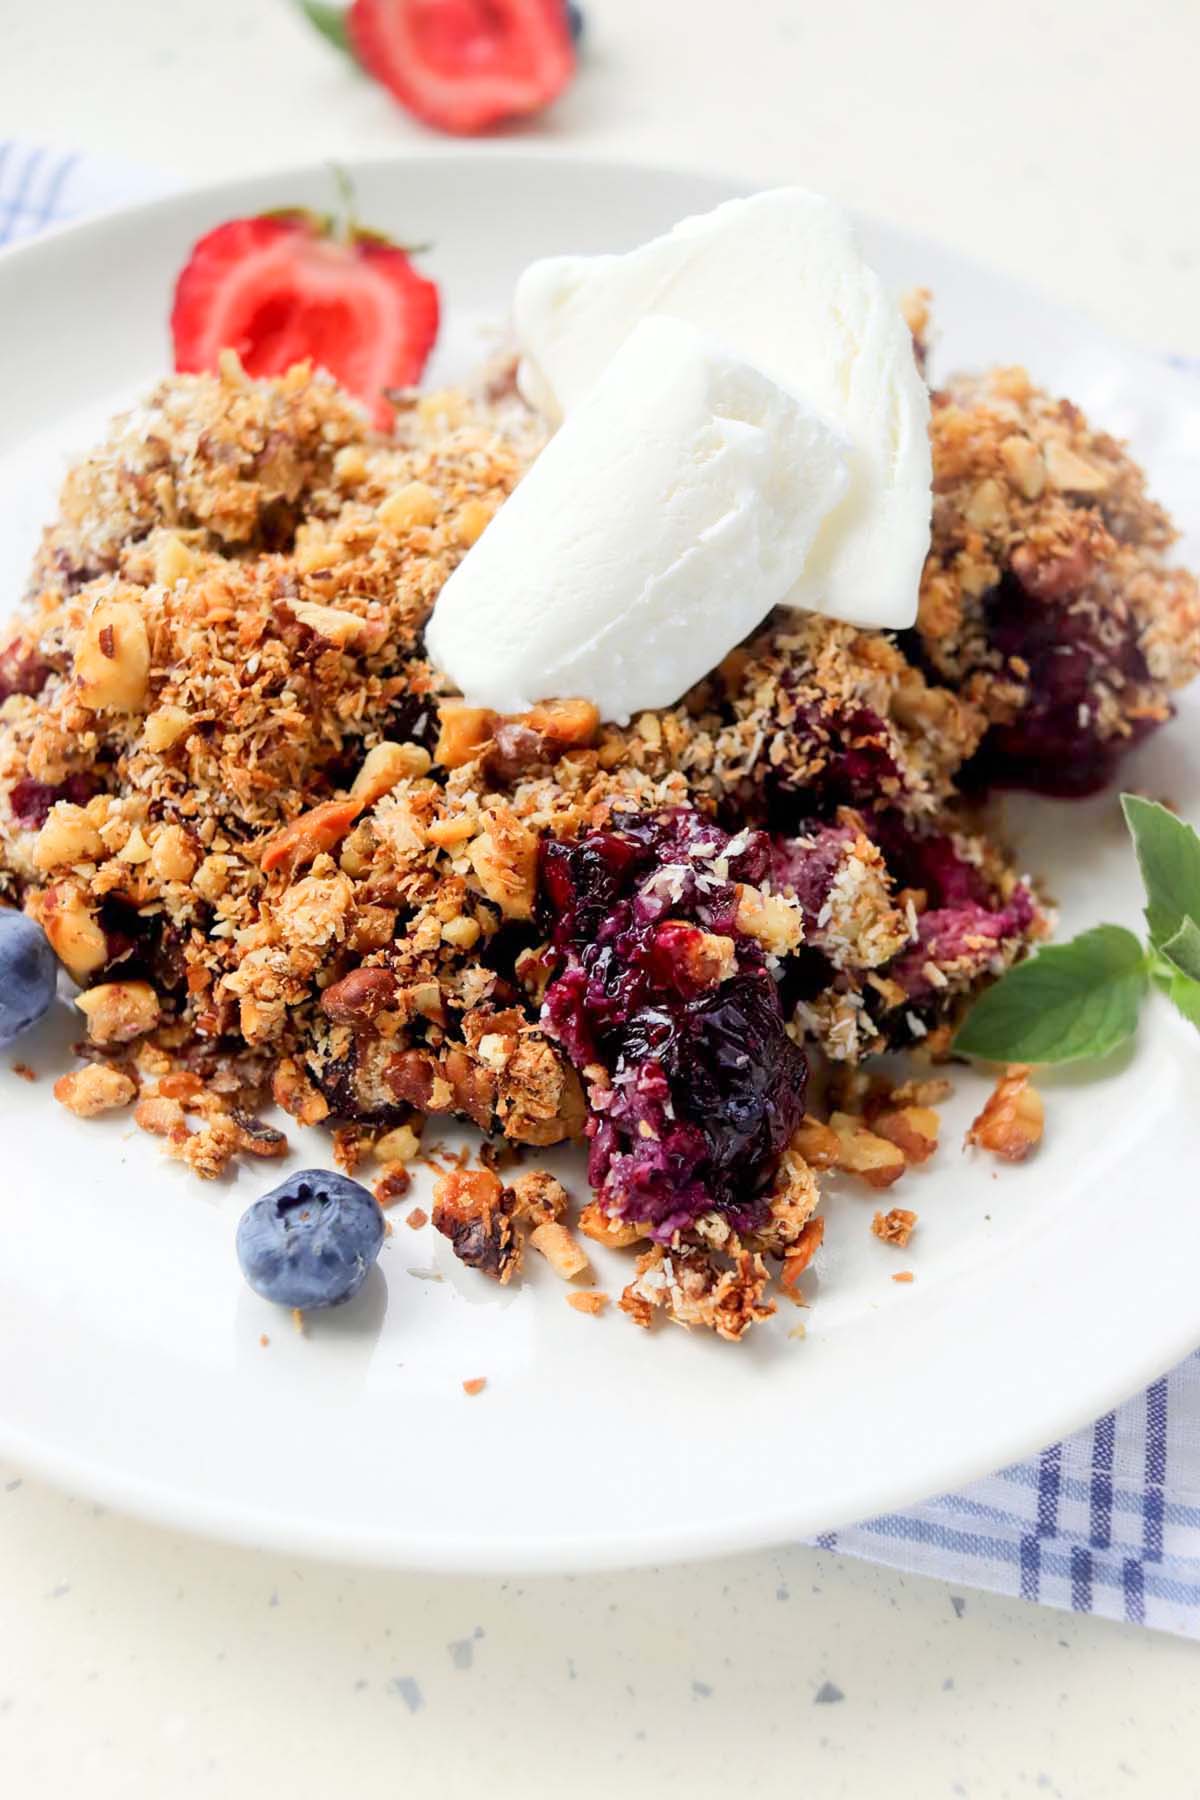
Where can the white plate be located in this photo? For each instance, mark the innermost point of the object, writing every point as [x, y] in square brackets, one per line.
[130, 1349]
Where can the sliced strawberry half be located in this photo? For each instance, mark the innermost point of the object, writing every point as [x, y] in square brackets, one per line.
[283, 287]
[463, 65]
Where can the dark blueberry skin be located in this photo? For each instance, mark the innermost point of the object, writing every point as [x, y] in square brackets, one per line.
[28, 974]
[311, 1241]
[574, 21]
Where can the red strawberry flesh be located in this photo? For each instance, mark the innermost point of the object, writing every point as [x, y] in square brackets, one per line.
[280, 290]
[464, 65]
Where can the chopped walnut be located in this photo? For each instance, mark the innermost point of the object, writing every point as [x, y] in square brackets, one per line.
[159, 1115]
[112, 658]
[393, 1183]
[208, 1151]
[118, 1011]
[591, 1301]
[471, 1209]
[96, 1088]
[400, 1145]
[894, 1227]
[539, 1197]
[595, 1223]
[294, 1093]
[817, 1143]
[257, 1138]
[774, 920]
[505, 859]
[348, 1147]
[463, 731]
[699, 1287]
[913, 1129]
[860, 1152]
[1013, 1118]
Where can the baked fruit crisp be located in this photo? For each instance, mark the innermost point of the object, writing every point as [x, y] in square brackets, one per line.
[282, 861]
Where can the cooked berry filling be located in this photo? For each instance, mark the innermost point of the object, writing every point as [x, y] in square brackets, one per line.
[31, 801]
[963, 923]
[1074, 653]
[704, 1086]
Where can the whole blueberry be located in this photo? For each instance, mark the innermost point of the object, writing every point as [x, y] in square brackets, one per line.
[311, 1240]
[574, 21]
[28, 974]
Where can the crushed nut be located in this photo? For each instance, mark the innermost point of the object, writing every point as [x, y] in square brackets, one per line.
[384, 767]
[594, 1222]
[560, 1249]
[399, 1145]
[412, 505]
[94, 1089]
[817, 1143]
[392, 1185]
[159, 1115]
[76, 935]
[68, 836]
[112, 658]
[471, 1210]
[462, 732]
[294, 1093]
[1013, 1118]
[505, 860]
[860, 1152]
[894, 1227]
[117, 1011]
[913, 1129]
[592, 1302]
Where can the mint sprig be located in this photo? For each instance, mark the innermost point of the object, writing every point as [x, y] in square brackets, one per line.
[1070, 1001]
[1083, 998]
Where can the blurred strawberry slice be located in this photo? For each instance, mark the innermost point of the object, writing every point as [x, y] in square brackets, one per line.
[463, 65]
[284, 287]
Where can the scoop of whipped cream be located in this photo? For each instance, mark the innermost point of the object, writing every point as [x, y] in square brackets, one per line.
[676, 505]
[779, 280]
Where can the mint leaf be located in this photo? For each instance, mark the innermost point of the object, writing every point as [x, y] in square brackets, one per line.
[330, 21]
[1168, 853]
[1182, 950]
[1184, 993]
[1069, 1001]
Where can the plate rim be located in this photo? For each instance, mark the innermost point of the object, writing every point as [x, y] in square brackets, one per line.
[172, 1506]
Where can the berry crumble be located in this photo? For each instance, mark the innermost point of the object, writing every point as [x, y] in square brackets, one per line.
[284, 861]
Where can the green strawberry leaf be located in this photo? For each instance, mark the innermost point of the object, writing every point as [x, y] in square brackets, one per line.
[1168, 853]
[1182, 950]
[1069, 1001]
[330, 21]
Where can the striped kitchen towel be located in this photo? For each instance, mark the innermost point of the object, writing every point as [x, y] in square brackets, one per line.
[1106, 1522]
[40, 187]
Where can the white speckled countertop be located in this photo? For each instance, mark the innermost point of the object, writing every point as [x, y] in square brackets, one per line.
[1062, 143]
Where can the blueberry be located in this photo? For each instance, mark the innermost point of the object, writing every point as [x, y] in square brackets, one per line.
[310, 1241]
[28, 974]
[574, 21]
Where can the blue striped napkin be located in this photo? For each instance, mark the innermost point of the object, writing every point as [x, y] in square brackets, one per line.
[1107, 1521]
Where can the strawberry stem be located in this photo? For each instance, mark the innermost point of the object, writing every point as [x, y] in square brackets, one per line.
[345, 220]
[330, 21]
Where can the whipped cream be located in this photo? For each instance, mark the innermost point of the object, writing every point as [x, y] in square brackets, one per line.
[677, 504]
[779, 280]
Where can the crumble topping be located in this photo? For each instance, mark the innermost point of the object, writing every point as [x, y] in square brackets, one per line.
[284, 863]
[1047, 600]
